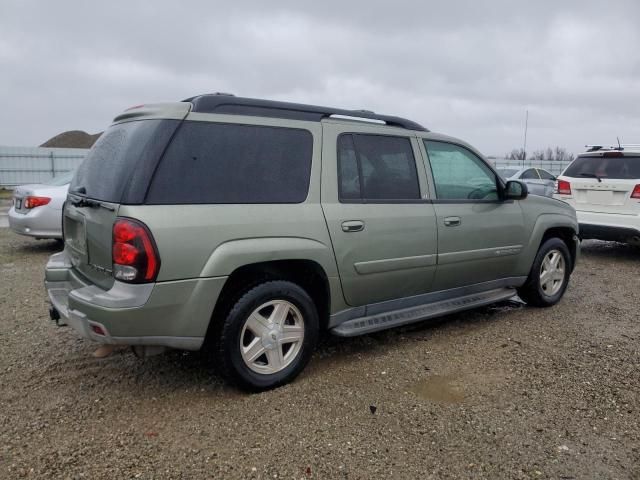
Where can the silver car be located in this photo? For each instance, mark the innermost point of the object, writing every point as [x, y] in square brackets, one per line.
[539, 181]
[37, 208]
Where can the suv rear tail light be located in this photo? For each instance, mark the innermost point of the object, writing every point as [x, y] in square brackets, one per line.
[564, 187]
[636, 192]
[33, 202]
[134, 252]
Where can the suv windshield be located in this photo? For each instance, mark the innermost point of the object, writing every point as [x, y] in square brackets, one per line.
[624, 168]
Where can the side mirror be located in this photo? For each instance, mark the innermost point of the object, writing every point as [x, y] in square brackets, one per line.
[515, 190]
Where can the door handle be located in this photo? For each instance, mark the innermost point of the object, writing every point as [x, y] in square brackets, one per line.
[452, 221]
[353, 226]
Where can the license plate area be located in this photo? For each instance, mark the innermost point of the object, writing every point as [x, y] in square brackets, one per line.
[18, 202]
[599, 198]
[606, 197]
[75, 233]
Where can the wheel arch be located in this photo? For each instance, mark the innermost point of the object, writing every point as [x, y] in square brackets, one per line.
[550, 226]
[567, 235]
[232, 255]
[308, 274]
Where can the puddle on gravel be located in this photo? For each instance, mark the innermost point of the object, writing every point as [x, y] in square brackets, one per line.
[439, 388]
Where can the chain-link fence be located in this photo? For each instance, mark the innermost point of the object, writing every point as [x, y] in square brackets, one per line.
[21, 165]
[551, 166]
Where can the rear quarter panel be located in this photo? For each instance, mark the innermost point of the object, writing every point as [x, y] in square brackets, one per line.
[212, 240]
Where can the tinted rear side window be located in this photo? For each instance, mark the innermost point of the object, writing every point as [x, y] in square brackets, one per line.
[348, 169]
[376, 167]
[229, 163]
[119, 165]
[623, 168]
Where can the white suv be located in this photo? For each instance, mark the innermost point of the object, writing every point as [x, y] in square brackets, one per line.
[603, 185]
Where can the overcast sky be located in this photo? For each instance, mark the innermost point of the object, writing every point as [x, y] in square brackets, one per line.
[465, 68]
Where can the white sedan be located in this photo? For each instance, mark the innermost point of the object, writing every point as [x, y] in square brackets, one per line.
[37, 208]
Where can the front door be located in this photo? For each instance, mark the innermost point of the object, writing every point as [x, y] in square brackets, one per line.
[382, 229]
[480, 237]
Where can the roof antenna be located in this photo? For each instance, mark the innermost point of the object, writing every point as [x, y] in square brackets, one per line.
[619, 146]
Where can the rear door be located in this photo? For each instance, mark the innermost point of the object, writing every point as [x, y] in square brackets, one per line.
[87, 235]
[480, 237]
[117, 169]
[382, 228]
[604, 184]
[549, 182]
[534, 182]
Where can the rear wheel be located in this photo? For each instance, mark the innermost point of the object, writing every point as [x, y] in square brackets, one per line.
[268, 336]
[549, 275]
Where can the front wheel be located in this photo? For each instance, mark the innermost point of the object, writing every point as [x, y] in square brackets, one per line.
[268, 336]
[549, 275]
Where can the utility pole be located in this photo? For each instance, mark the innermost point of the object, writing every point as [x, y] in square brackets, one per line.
[526, 125]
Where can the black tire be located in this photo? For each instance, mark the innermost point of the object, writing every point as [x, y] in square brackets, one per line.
[228, 354]
[532, 291]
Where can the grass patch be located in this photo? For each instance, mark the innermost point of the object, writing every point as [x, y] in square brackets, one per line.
[5, 193]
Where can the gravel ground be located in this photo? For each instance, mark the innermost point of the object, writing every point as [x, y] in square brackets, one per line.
[5, 205]
[501, 392]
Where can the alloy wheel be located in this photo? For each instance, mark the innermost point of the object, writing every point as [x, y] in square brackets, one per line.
[552, 273]
[272, 337]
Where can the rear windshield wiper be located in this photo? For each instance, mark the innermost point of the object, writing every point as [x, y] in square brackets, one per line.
[87, 202]
[84, 202]
[590, 175]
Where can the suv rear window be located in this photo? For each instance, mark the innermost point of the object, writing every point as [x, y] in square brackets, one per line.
[124, 156]
[230, 163]
[623, 168]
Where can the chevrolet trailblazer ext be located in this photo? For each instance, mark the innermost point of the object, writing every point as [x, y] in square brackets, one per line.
[250, 226]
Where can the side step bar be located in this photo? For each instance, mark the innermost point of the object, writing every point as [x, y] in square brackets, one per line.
[397, 318]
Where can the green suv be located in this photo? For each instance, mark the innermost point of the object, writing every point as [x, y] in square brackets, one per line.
[251, 226]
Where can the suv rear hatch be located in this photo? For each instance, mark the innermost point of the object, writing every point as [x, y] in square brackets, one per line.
[605, 183]
[117, 171]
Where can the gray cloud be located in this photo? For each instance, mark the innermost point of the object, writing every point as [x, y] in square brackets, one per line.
[465, 68]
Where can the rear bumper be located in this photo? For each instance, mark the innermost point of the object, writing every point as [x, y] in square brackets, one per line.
[170, 314]
[609, 233]
[609, 226]
[41, 222]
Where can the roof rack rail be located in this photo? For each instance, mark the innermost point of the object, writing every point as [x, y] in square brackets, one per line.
[622, 146]
[337, 116]
[231, 105]
[602, 146]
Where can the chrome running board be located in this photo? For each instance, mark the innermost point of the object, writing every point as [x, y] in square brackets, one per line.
[397, 318]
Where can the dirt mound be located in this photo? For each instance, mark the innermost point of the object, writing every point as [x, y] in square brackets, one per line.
[72, 139]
